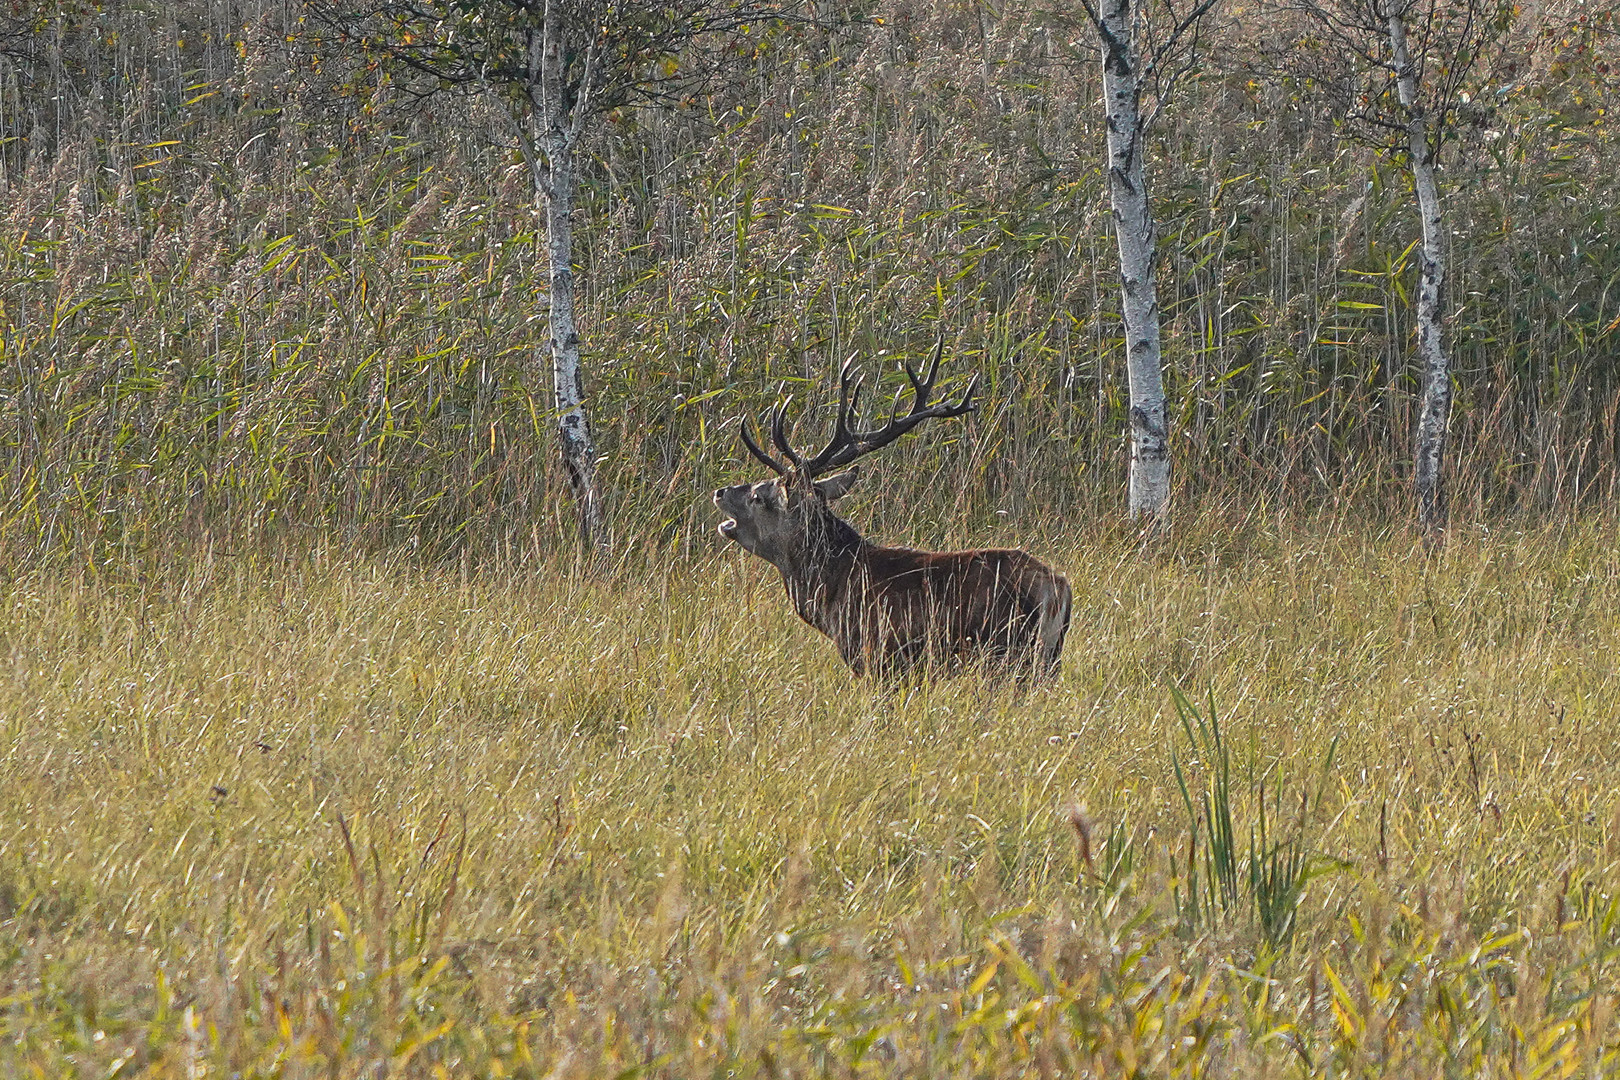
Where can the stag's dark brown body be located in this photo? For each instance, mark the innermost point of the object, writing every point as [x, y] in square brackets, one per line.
[953, 608]
[891, 609]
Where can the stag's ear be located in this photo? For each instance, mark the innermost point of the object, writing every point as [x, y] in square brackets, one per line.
[838, 485]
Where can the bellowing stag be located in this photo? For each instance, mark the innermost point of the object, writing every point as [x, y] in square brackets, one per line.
[891, 609]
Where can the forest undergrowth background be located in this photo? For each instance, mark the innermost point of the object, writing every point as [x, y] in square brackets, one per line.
[325, 754]
[247, 296]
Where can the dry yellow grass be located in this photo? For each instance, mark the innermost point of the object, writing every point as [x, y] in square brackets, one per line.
[312, 816]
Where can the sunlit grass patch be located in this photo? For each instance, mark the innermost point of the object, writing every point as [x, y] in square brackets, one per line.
[303, 816]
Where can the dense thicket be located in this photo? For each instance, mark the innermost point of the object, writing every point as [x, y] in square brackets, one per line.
[252, 286]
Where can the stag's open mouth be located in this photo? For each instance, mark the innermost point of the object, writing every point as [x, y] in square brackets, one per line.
[728, 529]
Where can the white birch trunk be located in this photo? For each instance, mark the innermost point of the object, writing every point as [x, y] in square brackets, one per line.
[559, 122]
[1134, 230]
[1435, 407]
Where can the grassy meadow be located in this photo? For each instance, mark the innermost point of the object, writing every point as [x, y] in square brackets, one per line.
[332, 815]
[324, 755]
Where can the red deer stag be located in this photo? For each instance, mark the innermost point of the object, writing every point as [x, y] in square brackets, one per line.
[891, 609]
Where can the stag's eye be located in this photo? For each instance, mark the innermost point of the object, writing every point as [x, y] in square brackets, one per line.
[755, 497]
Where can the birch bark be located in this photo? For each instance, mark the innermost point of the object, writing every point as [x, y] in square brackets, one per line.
[1134, 231]
[1435, 407]
[555, 168]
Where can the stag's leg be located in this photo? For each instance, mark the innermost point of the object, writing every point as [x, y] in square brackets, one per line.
[1020, 653]
[854, 655]
[903, 658]
[890, 661]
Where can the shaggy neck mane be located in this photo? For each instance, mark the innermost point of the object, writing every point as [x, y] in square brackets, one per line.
[818, 580]
[830, 536]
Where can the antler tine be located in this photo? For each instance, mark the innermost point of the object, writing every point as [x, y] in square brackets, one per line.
[966, 404]
[924, 387]
[849, 403]
[849, 399]
[753, 448]
[779, 436]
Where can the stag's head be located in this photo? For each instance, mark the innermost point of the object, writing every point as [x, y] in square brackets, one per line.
[776, 518]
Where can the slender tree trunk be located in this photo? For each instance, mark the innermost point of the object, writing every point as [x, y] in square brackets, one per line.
[568, 382]
[557, 140]
[1134, 230]
[1435, 408]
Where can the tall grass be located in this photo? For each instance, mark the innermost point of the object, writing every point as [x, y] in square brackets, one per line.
[303, 815]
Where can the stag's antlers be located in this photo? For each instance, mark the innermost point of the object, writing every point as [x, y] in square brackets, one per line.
[848, 444]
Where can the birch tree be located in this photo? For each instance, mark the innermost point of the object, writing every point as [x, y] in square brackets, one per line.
[556, 65]
[1146, 50]
[1397, 72]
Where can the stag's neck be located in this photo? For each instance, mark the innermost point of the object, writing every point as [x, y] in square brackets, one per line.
[820, 576]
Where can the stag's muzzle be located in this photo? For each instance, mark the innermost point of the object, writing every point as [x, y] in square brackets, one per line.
[728, 527]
